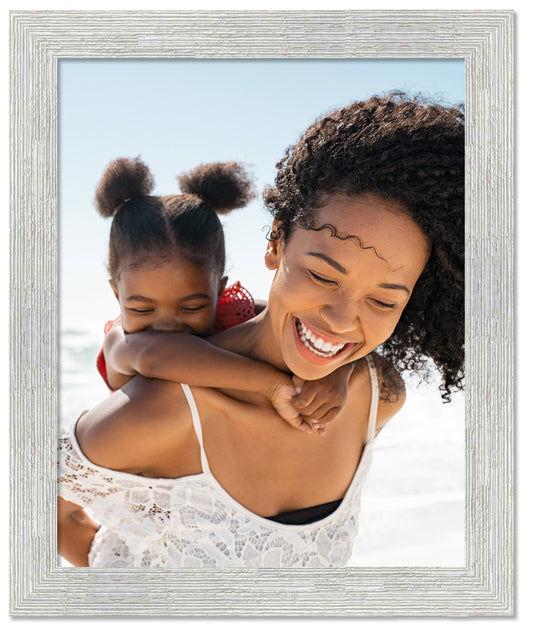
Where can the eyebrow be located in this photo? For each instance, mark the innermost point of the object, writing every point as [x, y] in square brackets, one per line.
[197, 297]
[329, 261]
[141, 299]
[394, 286]
[145, 299]
[340, 268]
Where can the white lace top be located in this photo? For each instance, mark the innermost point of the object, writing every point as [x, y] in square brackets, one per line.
[192, 521]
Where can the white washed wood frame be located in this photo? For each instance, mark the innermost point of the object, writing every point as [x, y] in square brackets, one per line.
[484, 39]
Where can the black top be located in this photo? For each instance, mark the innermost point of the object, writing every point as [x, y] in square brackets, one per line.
[306, 515]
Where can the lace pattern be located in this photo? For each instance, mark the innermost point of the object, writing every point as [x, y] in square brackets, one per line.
[192, 522]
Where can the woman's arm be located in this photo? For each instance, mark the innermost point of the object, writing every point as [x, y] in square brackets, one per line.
[144, 428]
[75, 532]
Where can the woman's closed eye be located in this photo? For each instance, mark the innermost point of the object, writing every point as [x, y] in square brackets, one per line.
[383, 305]
[320, 279]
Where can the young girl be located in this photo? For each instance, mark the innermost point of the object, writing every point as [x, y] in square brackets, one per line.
[166, 267]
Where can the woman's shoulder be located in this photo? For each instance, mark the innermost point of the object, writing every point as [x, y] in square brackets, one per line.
[239, 338]
[130, 429]
[390, 386]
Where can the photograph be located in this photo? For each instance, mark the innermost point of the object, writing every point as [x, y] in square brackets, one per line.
[208, 124]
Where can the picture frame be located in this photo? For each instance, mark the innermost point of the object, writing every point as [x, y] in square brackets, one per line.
[484, 39]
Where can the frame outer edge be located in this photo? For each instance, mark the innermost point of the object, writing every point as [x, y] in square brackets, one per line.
[38, 41]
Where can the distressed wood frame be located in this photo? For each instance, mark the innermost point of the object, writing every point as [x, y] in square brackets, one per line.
[484, 39]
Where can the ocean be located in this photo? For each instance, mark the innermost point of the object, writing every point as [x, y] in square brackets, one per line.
[413, 501]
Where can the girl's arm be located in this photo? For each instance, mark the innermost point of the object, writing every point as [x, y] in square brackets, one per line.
[75, 532]
[179, 357]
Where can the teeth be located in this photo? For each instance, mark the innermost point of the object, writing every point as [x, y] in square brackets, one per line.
[318, 345]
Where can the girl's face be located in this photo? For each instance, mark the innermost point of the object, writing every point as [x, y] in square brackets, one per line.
[334, 301]
[167, 295]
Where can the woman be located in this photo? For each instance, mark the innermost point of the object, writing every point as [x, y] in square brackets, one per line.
[367, 248]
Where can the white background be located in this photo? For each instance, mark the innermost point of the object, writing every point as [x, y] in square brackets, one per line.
[523, 622]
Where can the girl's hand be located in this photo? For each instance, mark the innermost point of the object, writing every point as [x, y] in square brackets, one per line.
[282, 397]
[319, 402]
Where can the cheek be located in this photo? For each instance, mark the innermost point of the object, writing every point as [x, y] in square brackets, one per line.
[131, 324]
[203, 321]
[289, 287]
[382, 328]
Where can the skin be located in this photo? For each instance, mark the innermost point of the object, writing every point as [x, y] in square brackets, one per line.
[343, 293]
[172, 296]
[265, 465]
[167, 295]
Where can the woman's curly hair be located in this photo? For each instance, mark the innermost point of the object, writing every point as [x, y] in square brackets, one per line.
[407, 150]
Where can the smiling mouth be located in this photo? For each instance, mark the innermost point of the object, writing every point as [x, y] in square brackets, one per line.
[317, 344]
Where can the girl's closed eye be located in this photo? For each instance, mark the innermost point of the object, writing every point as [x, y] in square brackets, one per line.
[139, 311]
[193, 309]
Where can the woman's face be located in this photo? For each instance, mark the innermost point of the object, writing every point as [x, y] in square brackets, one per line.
[334, 301]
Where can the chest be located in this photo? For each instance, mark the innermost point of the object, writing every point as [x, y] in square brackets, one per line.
[269, 467]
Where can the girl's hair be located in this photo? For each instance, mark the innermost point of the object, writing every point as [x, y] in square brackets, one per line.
[406, 150]
[146, 227]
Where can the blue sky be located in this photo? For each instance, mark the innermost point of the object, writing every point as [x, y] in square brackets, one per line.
[176, 114]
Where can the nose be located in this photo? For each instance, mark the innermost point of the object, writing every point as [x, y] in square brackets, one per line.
[167, 323]
[164, 326]
[342, 316]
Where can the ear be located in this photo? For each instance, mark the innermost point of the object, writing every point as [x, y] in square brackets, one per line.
[274, 248]
[114, 287]
[222, 285]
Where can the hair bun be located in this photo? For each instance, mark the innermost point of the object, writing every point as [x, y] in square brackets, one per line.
[223, 186]
[123, 179]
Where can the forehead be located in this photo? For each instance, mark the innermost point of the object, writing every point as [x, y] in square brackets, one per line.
[174, 272]
[367, 226]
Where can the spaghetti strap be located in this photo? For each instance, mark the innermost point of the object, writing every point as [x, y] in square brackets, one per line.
[374, 400]
[197, 425]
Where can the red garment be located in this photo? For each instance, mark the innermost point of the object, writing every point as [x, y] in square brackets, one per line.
[236, 305]
[100, 360]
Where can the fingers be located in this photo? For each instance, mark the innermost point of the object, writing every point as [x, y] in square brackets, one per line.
[304, 398]
[298, 384]
[317, 426]
[295, 420]
[326, 415]
[320, 418]
[305, 427]
[316, 409]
